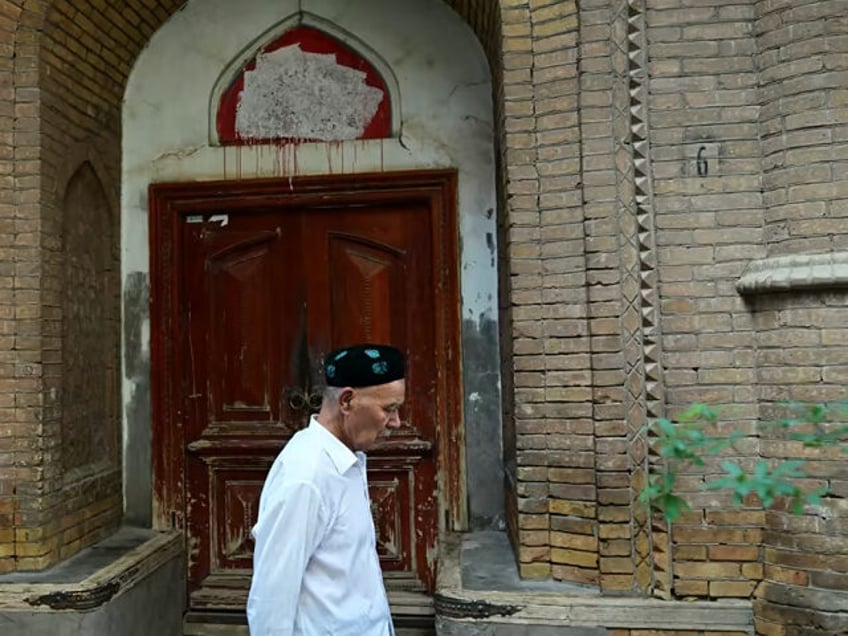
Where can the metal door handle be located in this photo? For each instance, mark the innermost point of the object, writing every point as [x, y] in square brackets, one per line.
[314, 400]
[299, 400]
[296, 398]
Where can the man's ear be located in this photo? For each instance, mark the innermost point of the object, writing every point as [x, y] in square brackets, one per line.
[345, 398]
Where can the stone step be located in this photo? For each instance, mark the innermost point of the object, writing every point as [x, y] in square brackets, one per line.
[231, 623]
[219, 629]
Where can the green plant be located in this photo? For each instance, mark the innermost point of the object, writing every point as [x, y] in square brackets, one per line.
[685, 443]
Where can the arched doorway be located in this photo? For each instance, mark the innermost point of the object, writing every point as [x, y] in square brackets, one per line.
[441, 119]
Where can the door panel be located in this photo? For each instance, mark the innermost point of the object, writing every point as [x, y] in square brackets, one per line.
[378, 283]
[240, 282]
[264, 297]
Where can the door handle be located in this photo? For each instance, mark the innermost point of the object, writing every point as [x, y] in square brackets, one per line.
[314, 401]
[299, 400]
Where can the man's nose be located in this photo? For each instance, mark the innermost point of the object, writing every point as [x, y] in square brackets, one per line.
[394, 421]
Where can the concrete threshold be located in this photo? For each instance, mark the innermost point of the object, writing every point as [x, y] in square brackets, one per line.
[107, 589]
[512, 607]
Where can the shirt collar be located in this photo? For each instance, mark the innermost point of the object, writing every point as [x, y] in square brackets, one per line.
[343, 458]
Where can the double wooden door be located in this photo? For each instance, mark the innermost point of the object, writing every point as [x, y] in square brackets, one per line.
[260, 288]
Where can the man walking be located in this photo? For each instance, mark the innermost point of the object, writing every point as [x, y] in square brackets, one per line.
[315, 565]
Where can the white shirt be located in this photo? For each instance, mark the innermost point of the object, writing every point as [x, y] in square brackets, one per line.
[315, 565]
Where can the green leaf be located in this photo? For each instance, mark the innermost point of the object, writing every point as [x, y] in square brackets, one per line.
[790, 468]
[673, 507]
[666, 427]
[732, 468]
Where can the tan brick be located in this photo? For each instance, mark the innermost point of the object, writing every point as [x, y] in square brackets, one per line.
[733, 553]
[575, 574]
[574, 557]
[534, 570]
[690, 587]
[736, 589]
[578, 509]
[574, 541]
[528, 554]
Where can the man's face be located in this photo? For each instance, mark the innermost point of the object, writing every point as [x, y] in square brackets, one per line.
[369, 411]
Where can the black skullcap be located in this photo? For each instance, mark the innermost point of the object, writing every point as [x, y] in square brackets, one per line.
[363, 365]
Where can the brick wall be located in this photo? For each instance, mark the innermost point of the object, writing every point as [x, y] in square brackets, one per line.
[803, 57]
[71, 61]
[542, 238]
[803, 355]
[88, 350]
[605, 517]
[801, 341]
[709, 225]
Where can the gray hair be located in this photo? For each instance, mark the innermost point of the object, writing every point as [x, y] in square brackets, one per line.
[332, 393]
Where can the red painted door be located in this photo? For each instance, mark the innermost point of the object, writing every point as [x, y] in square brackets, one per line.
[265, 293]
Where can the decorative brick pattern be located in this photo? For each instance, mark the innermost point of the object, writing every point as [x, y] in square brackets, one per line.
[640, 306]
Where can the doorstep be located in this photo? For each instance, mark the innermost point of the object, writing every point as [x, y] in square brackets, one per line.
[478, 591]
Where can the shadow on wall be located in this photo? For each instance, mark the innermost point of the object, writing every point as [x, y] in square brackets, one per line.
[137, 441]
[482, 407]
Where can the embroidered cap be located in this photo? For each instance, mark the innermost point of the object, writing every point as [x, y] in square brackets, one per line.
[363, 365]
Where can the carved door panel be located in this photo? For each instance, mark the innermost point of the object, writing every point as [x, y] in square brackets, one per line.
[266, 293]
[370, 280]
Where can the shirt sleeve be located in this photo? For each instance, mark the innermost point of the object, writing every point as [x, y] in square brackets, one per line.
[286, 535]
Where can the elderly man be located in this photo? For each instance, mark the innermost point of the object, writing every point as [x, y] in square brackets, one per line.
[315, 566]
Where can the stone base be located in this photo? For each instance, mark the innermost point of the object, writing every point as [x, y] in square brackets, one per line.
[132, 584]
[511, 607]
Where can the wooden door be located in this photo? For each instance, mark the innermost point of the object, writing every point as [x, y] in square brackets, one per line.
[263, 287]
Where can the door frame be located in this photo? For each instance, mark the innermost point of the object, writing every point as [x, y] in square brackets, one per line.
[170, 202]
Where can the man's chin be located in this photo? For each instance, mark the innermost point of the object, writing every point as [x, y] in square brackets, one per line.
[371, 445]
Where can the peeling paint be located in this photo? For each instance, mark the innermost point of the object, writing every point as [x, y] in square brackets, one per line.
[295, 94]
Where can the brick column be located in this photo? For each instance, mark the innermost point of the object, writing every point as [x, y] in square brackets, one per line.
[802, 343]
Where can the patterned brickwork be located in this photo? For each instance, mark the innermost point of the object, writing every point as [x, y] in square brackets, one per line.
[640, 305]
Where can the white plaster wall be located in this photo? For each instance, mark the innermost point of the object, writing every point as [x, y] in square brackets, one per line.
[444, 118]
